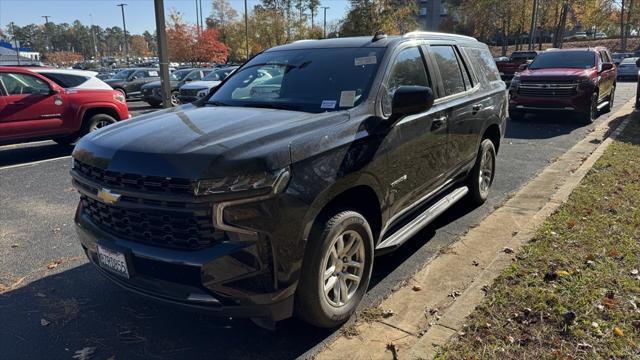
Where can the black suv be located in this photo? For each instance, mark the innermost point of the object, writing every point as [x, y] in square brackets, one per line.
[262, 198]
[130, 81]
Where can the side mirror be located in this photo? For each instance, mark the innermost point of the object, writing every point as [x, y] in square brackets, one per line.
[408, 100]
[607, 66]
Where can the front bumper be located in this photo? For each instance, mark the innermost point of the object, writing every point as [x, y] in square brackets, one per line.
[152, 98]
[189, 279]
[576, 103]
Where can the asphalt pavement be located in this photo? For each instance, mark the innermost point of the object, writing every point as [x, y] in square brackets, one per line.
[53, 303]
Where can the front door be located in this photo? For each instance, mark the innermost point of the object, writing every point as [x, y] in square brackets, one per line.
[29, 108]
[417, 143]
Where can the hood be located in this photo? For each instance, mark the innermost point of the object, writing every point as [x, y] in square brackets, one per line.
[156, 84]
[201, 142]
[114, 81]
[200, 84]
[558, 73]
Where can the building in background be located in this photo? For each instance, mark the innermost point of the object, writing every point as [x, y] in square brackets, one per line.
[430, 14]
[9, 56]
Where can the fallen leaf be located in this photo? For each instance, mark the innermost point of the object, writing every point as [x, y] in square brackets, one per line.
[54, 264]
[618, 331]
[609, 303]
[511, 339]
[475, 263]
[571, 224]
[507, 250]
[387, 313]
[44, 322]
[562, 273]
[416, 288]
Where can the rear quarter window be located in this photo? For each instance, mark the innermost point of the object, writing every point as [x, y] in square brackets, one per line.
[65, 80]
[485, 67]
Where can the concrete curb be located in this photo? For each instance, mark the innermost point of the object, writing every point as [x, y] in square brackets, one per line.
[452, 283]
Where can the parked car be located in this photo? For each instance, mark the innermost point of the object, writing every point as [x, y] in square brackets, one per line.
[581, 81]
[130, 81]
[33, 107]
[618, 57]
[151, 91]
[199, 89]
[509, 68]
[600, 35]
[252, 205]
[578, 36]
[73, 79]
[627, 70]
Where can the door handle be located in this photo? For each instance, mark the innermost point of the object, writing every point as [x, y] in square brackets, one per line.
[438, 122]
[476, 108]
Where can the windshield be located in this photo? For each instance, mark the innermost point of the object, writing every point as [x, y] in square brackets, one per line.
[564, 59]
[311, 80]
[629, 61]
[217, 75]
[179, 74]
[124, 74]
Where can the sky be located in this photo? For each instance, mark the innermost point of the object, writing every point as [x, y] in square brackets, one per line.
[139, 13]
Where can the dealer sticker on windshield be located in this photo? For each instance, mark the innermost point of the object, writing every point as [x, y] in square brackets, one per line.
[366, 60]
[347, 98]
[328, 104]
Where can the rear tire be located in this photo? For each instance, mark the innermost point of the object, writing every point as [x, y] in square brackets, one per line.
[481, 176]
[92, 124]
[336, 270]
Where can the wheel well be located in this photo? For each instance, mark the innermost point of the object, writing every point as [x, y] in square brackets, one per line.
[361, 199]
[100, 110]
[493, 133]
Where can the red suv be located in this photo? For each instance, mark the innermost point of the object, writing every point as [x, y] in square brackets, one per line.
[581, 81]
[32, 107]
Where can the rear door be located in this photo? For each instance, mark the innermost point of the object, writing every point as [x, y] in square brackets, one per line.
[608, 77]
[466, 108]
[29, 108]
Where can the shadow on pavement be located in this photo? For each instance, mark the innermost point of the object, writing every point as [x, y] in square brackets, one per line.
[86, 310]
[542, 126]
[24, 153]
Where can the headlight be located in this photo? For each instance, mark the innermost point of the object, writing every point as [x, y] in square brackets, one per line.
[117, 96]
[275, 180]
[515, 81]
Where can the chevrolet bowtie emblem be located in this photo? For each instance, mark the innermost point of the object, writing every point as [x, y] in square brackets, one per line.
[107, 196]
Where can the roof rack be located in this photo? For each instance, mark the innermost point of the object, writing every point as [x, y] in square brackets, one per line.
[432, 33]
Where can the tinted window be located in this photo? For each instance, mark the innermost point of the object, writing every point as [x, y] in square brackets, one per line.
[483, 64]
[313, 80]
[450, 70]
[408, 69]
[194, 75]
[123, 75]
[564, 59]
[21, 84]
[65, 80]
[179, 75]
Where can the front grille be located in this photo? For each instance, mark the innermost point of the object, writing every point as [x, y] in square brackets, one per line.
[547, 92]
[189, 92]
[142, 183]
[186, 230]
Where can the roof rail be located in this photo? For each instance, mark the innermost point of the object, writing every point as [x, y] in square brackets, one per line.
[379, 35]
[425, 33]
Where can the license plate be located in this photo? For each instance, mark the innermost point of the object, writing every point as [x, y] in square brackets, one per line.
[113, 261]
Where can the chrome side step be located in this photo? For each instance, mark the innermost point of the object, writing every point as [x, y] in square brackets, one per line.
[422, 220]
[604, 103]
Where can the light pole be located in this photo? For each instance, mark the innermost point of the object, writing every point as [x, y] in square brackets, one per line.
[534, 20]
[246, 29]
[324, 26]
[163, 56]
[124, 26]
[46, 22]
[93, 36]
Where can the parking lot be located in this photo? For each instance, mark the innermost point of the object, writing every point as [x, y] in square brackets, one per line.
[53, 302]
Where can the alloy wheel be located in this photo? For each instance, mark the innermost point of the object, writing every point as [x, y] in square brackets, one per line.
[175, 101]
[98, 125]
[343, 267]
[486, 172]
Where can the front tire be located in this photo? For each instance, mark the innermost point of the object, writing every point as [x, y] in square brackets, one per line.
[175, 99]
[92, 124]
[480, 178]
[590, 116]
[336, 270]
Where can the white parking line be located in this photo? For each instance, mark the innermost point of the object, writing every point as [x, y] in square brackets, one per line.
[25, 145]
[34, 163]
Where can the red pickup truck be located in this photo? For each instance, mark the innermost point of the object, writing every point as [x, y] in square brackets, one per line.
[509, 68]
[33, 107]
[574, 81]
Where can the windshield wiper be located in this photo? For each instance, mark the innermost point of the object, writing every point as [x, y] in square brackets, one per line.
[273, 106]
